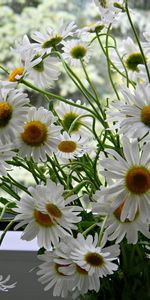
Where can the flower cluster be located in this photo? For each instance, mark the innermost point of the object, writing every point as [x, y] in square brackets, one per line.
[89, 158]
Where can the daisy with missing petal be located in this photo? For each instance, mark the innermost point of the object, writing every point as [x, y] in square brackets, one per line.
[117, 229]
[130, 180]
[45, 42]
[47, 215]
[92, 258]
[75, 51]
[13, 112]
[70, 147]
[132, 116]
[131, 56]
[39, 136]
[71, 117]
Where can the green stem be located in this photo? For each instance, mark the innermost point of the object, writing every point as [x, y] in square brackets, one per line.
[89, 229]
[91, 85]
[102, 230]
[109, 65]
[5, 230]
[54, 96]
[137, 39]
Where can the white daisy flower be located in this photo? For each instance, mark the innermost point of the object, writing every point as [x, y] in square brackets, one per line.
[92, 258]
[13, 112]
[117, 230]
[51, 275]
[69, 113]
[75, 50]
[131, 56]
[130, 177]
[86, 33]
[70, 147]
[109, 9]
[22, 47]
[44, 72]
[27, 61]
[47, 215]
[132, 115]
[45, 42]
[4, 286]
[79, 276]
[5, 155]
[39, 136]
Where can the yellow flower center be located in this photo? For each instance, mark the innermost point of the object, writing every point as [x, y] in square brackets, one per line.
[5, 113]
[137, 180]
[117, 214]
[35, 133]
[14, 73]
[43, 219]
[67, 146]
[78, 51]
[81, 271]
[145, 115]
[53, 210]
[94, 259]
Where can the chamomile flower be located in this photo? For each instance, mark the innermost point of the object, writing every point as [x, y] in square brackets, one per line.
[132, 115]
[80, 277]
[50, 201]
[70, 147]
[92, 258]
[13, 112]
[75, 51]
[117, 229]
[45, 42]
[51, 275]
[22, 47]
[6, 154]
[109, 9]
[45, 72]
[27, 62]
[132, 58]
[46, 214]
[39, 136]
[130, 180]
[71, 117]
[86, 33]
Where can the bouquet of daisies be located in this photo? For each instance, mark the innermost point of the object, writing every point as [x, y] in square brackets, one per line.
[89, 204]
